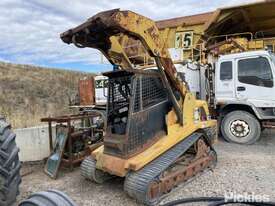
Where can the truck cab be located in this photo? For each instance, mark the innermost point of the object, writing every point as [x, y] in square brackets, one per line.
[245, 94]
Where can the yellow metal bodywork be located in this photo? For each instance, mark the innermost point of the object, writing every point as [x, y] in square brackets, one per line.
[170, 35]
[185, 120]
[176, 133]
[235, 22]
[253, 18]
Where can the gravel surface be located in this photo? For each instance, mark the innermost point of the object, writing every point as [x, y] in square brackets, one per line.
[240, 169]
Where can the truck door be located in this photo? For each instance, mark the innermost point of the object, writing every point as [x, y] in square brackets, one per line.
[254, 82]
[224, 81]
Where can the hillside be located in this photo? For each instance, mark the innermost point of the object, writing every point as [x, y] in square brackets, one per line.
[29, 93]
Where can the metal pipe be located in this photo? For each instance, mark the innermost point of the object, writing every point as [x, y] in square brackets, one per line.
[50, 136]
[170, 92]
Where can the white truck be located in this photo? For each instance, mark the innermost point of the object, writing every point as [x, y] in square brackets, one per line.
[245, 95]
[240, 90]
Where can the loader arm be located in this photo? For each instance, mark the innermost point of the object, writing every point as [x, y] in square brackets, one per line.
[106, 32]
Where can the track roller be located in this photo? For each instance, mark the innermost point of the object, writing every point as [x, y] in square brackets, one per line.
[90, 172]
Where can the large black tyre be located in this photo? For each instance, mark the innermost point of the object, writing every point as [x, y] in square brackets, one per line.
[9, 165]
[240, 127]
[48, 198]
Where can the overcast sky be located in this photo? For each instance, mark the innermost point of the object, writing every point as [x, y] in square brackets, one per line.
[29, 29]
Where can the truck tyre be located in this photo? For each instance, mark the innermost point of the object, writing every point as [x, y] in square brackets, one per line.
[240, 127]
[48, 198]
[9, 165]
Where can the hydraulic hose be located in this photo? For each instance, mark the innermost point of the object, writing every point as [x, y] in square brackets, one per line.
[193, 200]
[216, 201]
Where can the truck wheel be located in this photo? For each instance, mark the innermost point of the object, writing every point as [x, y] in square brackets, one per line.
[240, 127]
[9, 165]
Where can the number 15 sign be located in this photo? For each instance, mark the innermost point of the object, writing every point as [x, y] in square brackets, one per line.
[184, 40]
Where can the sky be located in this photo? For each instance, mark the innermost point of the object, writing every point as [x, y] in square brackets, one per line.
[30, 29]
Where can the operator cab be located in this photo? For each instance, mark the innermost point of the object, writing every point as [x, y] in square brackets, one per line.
[135, 100]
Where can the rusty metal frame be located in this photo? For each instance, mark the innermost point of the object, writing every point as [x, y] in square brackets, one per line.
[68, 120]
[231, 42]
[269, 124]
[166, 183]
[86, 91]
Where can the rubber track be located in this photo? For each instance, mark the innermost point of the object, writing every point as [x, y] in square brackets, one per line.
[137, 183]
[87, 167]
[90, 172]
[9, 165]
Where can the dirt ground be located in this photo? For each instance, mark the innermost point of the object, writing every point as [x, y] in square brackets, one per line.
[240, 169]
